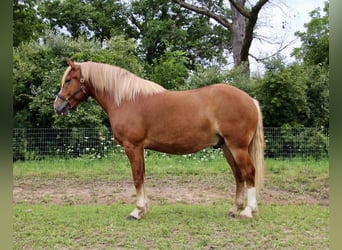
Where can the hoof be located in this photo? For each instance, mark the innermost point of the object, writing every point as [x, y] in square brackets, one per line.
[246, 213]
[234, 212]
[131, 217]
[246, 216]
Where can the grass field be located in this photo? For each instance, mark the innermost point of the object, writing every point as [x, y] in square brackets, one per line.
[294, 206]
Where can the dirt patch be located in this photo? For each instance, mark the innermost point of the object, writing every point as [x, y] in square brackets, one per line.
[192, 191]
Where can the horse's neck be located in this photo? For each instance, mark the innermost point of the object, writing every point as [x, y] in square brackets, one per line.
[105, 100]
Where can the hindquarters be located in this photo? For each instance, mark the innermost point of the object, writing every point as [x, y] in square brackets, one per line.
[241, 126]
[242, 130]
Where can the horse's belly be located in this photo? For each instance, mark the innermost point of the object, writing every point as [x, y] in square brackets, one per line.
[182, 144]
[177, 148]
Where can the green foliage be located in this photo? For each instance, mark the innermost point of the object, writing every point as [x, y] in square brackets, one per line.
[238, 78]
[157, 25]
[38, 69]
[317, 94]
[299, 93]
[315, 40]
[205, 76]
[289, 142]
[316, 141]
[169, 45]
[161, 25]
[20, 147]
[282, 94]
[170, 69]
[91, 19]
[30, 68]
[295, 94]
[26, 22]
[314, 53]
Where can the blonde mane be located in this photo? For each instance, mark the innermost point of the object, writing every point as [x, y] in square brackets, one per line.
[118, 82]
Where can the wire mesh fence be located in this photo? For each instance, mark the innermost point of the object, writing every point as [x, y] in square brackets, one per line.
[40, 143]
[290, 142]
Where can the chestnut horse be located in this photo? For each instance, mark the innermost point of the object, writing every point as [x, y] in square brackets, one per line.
[144, 115]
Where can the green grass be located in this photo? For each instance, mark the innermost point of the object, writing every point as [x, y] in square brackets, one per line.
[169, 226]
[159, 165]
[117, 167]
[172, 225]
[298, 176]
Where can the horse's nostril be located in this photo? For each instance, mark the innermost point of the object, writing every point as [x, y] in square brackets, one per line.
[62, 109]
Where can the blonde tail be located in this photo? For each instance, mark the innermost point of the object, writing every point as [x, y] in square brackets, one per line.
[256, 150]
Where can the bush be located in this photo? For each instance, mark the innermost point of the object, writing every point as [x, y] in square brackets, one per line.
[38, 68]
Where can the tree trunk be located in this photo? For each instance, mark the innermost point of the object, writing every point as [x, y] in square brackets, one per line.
[241, 26]
[238, 29]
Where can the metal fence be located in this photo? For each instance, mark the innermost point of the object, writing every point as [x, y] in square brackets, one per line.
[40, 143]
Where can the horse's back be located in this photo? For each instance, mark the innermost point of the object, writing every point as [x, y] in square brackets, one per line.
[226, 102]
[215, 94]
[218, 103]
[198, 118]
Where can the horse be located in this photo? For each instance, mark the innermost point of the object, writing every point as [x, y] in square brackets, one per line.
[144, 115]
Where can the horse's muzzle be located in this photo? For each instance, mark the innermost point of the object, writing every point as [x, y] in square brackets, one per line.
[63, 108]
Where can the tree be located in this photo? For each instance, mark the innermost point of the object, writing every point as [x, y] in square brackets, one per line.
[240, 20]
[92, 18]
[69, 14]
[314, 55]
[315, 40]
[108, 18]
[160, 27]
[26, 22]
[298, 94]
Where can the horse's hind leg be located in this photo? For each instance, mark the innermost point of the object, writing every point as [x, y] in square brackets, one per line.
[247, 170]
[136, 158]
[240, 183]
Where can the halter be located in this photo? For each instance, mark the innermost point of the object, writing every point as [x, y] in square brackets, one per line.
[81, 89]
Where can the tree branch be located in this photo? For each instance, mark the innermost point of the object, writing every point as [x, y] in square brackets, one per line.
[249, 14]
[242, 11]
[257, 7]
[220, 19]
[281, 48]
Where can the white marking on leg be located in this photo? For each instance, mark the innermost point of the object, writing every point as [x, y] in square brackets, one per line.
[251, 198]
[252, 206]
[142, 205]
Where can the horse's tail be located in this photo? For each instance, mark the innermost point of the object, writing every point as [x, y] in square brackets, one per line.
[256, 150]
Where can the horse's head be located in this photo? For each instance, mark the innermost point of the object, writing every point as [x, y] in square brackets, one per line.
[73, 89]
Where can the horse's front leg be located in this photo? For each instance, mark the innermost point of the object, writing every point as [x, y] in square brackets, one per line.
[135, 155]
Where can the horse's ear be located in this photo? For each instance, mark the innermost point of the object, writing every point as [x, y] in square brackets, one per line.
[71, 64]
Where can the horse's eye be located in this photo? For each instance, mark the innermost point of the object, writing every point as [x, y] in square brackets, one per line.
[67, 81]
